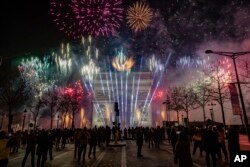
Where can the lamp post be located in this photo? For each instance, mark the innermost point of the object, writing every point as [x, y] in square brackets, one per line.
[234, 56]
[24, 116]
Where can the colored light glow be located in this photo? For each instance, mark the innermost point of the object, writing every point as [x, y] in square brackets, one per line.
[122, 62]
[82, 119]
[138, 115]
[159, 94]
[68, 91]
[163, 115]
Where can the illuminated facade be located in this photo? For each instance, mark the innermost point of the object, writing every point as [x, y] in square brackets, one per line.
[132, 91]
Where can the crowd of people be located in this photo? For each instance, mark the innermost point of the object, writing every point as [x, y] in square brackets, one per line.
[211, 140]
[40, 143]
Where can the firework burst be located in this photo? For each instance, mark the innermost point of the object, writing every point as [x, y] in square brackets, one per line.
[64, 17]
[89, 49]
[189, 62]
[122, 62]
[139, 16]
[155, 65]
[225, 71]
[90, 70]
[34, 67]
[98, 17]
[63, 59]
[34, 72]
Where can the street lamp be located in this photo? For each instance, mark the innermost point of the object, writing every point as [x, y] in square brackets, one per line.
[234, 55]
[24, 116]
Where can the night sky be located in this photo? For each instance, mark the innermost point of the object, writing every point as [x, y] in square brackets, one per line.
[183, 29]
[26, 27]
[180, 25]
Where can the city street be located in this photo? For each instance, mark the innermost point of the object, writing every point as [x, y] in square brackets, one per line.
[114, 157]
[87, 72]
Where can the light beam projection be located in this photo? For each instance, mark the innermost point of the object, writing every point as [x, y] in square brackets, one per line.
[112, 80]
[89, 73]
[153, 89]
[138, 87]
[133, 91]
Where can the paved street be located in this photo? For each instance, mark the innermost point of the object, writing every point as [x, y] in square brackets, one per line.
[114, 157]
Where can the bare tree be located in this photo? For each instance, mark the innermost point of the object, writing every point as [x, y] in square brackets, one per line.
[74, 95]
[11, 94]
[76, 100]
[36, 110]
[175, 102]
[220, 78]
[187, 100]
[51, 100]
[64, 106]
[202, 91]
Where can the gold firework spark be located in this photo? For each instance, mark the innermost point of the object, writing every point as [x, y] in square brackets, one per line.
[139, 16]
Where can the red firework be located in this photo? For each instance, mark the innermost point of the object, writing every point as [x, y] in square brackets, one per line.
[75, 91]
[98, 17]
[64, 17]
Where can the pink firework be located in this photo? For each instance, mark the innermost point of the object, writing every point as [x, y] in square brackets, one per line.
[98, 17]
[75, 91]
[64, 17]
